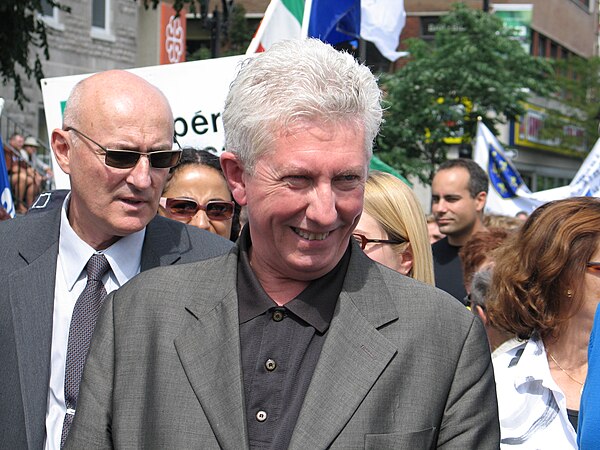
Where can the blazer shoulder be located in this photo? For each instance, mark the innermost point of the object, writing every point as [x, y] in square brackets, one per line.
[203, 282]
[418, 292]
[425, 302]
[214, 243]
[31, 231]
[168, 241]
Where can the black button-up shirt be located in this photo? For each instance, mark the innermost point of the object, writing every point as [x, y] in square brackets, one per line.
[280, 347]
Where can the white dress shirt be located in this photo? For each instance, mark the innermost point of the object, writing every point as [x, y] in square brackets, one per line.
[124, 257]
[532, 408]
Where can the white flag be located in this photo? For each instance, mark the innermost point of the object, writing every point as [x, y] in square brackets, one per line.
[381, 22]
[587, 178]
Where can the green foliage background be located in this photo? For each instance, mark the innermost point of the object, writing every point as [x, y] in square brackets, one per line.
[474, 68]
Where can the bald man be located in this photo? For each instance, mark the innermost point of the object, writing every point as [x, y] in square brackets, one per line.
[116, 145]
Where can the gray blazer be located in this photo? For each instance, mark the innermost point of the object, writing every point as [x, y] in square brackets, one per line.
[28, 255]
[403, 366]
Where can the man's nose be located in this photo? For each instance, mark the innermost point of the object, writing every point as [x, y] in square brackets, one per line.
[139, 176]
[321, 208]
[440, 206]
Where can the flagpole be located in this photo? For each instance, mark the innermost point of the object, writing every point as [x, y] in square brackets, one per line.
[261, 28]
[306, 19]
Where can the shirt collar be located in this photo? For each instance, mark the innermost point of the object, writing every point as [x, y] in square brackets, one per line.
[533, 365]
[314, 305]
[124, 256]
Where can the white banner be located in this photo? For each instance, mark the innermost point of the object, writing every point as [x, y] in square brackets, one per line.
[587, 179]
[196, 91]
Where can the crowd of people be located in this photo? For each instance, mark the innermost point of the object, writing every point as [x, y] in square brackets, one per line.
[28, 174]
[281, 295]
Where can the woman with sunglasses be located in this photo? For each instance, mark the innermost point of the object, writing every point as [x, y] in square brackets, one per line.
[196, 193]
[545, 290]
[393, 230]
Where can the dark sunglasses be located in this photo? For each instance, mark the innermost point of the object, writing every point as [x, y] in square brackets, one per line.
[126, 159]
[187, 208]
[363, 240]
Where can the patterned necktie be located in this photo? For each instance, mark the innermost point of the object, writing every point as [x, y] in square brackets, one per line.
[82, 326]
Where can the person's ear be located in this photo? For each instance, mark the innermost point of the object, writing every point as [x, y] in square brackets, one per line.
[481, 313]
[480, 201]
[407, 260]
[234, 174]
[62, 147]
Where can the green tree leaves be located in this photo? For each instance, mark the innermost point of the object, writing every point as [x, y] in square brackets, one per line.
[473, 68]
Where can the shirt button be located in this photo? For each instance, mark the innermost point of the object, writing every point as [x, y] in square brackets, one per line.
[261, 416]
[278, 315]
[270, 365]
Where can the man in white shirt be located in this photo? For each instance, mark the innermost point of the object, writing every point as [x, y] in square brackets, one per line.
[30, 147]
[116, 145]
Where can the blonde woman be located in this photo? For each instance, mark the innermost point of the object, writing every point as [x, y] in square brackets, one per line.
[392, 229]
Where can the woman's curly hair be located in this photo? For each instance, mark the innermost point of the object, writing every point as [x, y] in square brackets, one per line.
[539, 273]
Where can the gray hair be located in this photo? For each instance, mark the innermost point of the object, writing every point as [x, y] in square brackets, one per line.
[297, 82]
[480, 286]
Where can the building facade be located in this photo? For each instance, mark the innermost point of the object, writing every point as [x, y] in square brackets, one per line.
[96, 35]
[108, 34]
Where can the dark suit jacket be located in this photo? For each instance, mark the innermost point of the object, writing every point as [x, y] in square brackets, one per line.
[28, 255]
[403, 366]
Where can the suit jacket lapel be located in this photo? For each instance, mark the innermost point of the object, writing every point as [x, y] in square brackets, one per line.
[209, 351]
[160, 247]
[32, 303]
[353, 357]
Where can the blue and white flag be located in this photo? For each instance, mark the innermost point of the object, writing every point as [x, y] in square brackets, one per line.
[5, 196]
[507, 194]
[333, 21]
[587, 179]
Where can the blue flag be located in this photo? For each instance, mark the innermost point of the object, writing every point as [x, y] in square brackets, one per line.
[503, 176]
[334, 21]
[507, 194]
[5, 195]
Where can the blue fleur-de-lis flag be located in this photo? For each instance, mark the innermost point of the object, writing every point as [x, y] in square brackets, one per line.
[504, 178]
[5, 196]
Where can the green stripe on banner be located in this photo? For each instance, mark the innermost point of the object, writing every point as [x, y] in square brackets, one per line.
[296, 7]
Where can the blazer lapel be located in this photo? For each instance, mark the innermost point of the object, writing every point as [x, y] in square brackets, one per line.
[353, 357]
[160, 247]
[209, 352]
[32, 301]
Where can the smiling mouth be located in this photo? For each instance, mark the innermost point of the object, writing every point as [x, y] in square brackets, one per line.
[310, 236]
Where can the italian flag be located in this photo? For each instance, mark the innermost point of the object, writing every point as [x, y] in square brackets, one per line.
[283, 20]
[333, 21]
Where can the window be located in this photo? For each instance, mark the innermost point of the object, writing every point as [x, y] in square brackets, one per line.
[50, 15]
[101, 20]
[99, 9]
[584, 3]
[541, 45]
[47, 9]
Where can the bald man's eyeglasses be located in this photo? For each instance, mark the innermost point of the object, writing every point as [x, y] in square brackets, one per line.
[126, 159]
